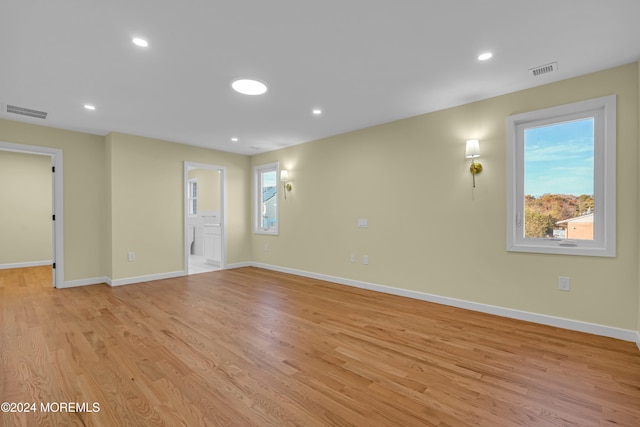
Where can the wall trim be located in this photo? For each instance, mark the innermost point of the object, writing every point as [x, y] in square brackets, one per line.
[559, 322]
[84, 282]
[57, 195]
[26, 264]
[240, 265]
[149, 278]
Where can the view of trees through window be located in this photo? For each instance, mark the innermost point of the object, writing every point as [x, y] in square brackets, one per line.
[544, 214]
[559, 180]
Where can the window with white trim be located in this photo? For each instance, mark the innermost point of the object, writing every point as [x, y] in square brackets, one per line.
[192, 196]
[561, 172]
[266, 199]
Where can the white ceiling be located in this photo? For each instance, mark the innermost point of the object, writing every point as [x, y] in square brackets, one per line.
[364, 62]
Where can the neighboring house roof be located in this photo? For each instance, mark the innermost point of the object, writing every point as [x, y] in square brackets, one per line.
[581, 218]
[268, 193]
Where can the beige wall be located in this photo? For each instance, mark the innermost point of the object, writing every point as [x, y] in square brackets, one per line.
[25, 215]
[124, 193]
[208, 189]
[147, 199]
[84, 184]
[430, 232]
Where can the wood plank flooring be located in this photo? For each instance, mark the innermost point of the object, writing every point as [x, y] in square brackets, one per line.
[250, 347]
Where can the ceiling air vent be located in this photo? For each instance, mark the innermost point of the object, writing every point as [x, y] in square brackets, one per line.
[26, 111]
[543, 69]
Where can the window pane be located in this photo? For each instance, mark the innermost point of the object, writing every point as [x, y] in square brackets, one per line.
[269, 199]
[192, 190]
[559, 180]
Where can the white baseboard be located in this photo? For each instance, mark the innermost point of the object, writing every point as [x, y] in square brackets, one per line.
[239, 265]
[139, 279]
[121, 282]
[83, 282]
[26, 264]
[559, 322]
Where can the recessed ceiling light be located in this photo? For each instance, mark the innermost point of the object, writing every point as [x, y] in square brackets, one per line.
[485, 56]
[249, 87]
[317, 112]
[234, 139]
[140, 42]
[89, 107]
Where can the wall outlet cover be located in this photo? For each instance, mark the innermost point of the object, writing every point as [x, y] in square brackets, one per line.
[564, 283]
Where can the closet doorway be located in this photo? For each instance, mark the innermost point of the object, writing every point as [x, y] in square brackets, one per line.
[204, 217]
[33, 209]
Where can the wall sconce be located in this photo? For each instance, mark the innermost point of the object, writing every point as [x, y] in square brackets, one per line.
[284, 177]
[471, 152]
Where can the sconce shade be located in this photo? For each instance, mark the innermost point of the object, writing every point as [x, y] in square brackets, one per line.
[473, 149]
[284, 175]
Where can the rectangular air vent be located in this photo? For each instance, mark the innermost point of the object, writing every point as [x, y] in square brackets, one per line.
[543, 69]
[26, 111]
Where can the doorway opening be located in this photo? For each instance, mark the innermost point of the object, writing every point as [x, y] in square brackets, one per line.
[57, 245]
[204, 217]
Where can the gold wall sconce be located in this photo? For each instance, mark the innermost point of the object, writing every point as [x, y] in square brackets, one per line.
[472, 152]
[284, 178]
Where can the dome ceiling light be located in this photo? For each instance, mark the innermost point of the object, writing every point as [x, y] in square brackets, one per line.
[249, 87]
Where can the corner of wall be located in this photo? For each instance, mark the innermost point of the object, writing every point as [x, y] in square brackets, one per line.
[108, 244]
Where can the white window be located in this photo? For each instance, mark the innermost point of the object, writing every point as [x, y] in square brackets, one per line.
[192, 196]
[266, 198]
[561, 171]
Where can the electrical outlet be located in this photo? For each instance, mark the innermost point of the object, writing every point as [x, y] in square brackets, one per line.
[131, 256]
[353, 258]
[365, 259]
[266, 247]
[564, 283]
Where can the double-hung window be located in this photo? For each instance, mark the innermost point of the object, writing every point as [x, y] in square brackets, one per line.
[561, 171]
[266, 199]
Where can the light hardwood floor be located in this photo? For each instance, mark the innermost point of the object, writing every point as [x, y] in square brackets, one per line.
[251, 347]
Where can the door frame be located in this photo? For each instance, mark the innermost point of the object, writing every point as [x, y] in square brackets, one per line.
[223, 210]
[57, 202]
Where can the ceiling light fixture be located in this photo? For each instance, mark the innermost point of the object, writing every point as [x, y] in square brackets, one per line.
[249, 87]
[485, 56]
[89, 107]
[234, 139]
[317, 112]
[140, 42]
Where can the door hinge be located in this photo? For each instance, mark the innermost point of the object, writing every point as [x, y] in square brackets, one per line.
[54, 217]
[54, 265]
[53, 169]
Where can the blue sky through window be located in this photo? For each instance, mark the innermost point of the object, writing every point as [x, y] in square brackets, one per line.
[558, 159]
